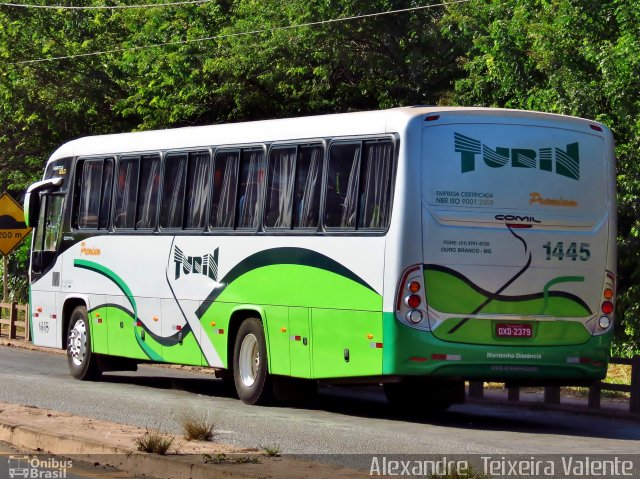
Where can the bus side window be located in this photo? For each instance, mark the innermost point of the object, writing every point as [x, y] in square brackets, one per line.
[225, 185]
[126, 190]
[148, 191]
[197, 192]
[173, 185]
[250, 189]
[342, 185]
[94, 197]
[282, 162]
[376, 172]
[306, 202]
[89, 200]
[105, 200]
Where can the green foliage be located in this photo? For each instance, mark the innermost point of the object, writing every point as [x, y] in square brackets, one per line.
[577, 57]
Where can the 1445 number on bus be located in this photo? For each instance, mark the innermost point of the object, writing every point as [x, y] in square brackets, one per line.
[573, 251]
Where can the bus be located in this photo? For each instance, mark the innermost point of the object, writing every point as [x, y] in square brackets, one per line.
[416, 248]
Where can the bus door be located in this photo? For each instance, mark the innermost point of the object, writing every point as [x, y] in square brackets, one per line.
[45, 269]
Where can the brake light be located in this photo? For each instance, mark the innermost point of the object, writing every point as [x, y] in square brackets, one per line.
[607, 305]
[410, 300]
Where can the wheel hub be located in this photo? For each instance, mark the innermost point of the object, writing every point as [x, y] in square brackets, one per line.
[78, 342]
[249, 360]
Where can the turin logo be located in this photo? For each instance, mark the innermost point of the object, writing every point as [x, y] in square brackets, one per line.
[556, 160]
[206, 265]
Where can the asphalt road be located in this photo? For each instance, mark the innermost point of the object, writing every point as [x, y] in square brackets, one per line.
[341, 422]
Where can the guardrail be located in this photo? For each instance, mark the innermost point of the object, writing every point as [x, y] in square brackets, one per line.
[10, 315]
[552, 394]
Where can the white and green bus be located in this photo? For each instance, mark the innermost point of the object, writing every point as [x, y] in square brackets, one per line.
[415, 248]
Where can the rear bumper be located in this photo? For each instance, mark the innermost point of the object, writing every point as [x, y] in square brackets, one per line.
[410, 352]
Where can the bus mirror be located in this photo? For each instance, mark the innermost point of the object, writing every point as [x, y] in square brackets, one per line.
[32, 199]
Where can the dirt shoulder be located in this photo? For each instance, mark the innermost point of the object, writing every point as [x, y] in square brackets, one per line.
[111, 444]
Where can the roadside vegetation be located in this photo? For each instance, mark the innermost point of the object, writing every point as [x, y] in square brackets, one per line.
[197, 426]
[154, 442]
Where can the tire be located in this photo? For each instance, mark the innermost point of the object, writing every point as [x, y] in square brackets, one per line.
[250, 368]
[83, 363]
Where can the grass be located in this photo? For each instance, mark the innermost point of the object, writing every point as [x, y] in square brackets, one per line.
[224, 459]
[197, 427]
[154, 442]
[271, 450]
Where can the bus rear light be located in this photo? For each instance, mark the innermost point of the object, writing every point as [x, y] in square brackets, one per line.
[607, 307]
[595, 127]
[416, 359]
[446, 357]
[375, 345]
[413, 301]
[604, 322]
[574, 360]
[411, 308]
[415, 316]
[432, 118]
[608, 293]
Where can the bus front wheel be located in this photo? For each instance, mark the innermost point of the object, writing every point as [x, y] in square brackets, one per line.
[83, 363]
[250, 369]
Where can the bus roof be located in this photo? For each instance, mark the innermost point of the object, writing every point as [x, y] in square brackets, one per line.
[341, 124]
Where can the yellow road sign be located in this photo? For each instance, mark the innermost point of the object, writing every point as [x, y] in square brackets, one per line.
[12, 226]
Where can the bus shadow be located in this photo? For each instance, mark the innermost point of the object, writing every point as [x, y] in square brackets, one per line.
[489, 417]
[206, 386]
[369, 402]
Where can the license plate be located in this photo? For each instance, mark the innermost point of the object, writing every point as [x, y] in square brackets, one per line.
[510, 330]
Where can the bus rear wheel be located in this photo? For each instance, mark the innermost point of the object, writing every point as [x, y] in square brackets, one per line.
[83, 363]
[250, 369]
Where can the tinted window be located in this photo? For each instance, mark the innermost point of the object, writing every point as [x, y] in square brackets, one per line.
[359, 181]
[250, 189]
[94, 196]
[342, 185]
[376, 172]
[282, 163]
[173, 185]
[225, 184]
[197, 192]
[126, 189]
[293, 191]
[148, 191]
[306, 202]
